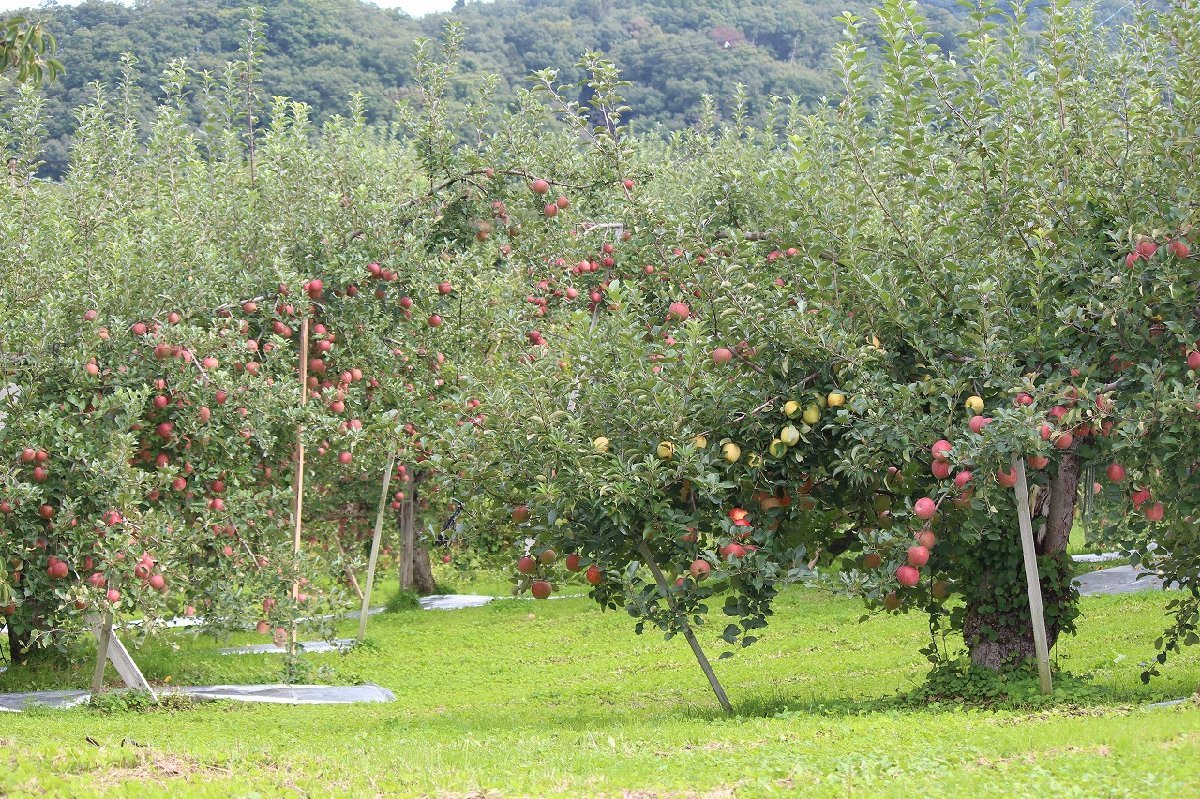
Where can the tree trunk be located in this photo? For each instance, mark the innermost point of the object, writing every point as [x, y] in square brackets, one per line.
[422, 572]
[997, 627]
[18, 646]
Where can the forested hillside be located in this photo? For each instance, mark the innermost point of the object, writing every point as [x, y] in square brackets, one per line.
[320, 51]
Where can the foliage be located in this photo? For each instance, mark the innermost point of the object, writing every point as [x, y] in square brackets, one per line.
[28, 50]
[320, 52]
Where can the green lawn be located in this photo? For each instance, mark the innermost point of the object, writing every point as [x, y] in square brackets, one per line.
[559, 699]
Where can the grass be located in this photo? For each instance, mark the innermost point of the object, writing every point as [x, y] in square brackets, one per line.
[520, 699]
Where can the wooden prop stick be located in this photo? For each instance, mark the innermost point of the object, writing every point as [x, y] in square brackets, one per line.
[102, 627]
[665, 589]
[298, 512]
[109, 647]
[1034, 583]
[374, 559]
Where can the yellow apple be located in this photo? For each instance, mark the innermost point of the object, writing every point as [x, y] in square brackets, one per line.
[601, 444]
[812, 414]
[974, 403]
[790, 435]
[700, 442]
[791, 408]
[731, 452]
[836, 399]
[777, 449]
[666, 450]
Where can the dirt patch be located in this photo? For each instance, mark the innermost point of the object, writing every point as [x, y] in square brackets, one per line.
[152, 765]
[1029, 758]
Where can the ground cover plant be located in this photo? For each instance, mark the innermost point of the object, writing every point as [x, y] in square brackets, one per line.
[492, 701]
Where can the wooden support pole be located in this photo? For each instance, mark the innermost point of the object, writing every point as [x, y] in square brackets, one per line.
[374, 559]
[110, 648]
[298, 511]
[1037, 612]
[664, 588]
[408, 534]
[102, 627]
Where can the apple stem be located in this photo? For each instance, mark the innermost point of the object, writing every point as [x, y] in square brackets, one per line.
[701, 658]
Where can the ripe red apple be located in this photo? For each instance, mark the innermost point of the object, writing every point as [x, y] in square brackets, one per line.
[526, 565]
[1179, 248]
[157, 582]
[445, 287]
[520, 514]
[908, 576]
[46, 511]
[1038, 461]
[540, 589]
[314, 288]
[1193, 360]
[572, 562]
[940, 469]
[446, 558]
[733, 550]
[28, 455]
[1115, 472]
[113, 596]
[924, 508]
[593, 575]
[628, 183]
[539, 186]
[1007, 479]
[722, 355]
[977, 423]
[562, 202]
[97, 580]
[872, 560]
[962, 478]
[927, 539]
[1154, 513]
[918, 555]
[1140, 496]
[678, 311]
[1024, 398]
[1064, 441]
[941, 449]
[1146, 249]
[699, 569]
[344, 458]
[548, 556]
[435, 321]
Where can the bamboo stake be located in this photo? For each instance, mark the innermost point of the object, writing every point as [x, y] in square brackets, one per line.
[374, 559]
[665, 589]
[298, 512]
[1034, 583]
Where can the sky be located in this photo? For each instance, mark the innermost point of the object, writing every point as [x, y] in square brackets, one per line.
[414, 7]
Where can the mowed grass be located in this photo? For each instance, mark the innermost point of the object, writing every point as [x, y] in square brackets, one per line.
[547, 699]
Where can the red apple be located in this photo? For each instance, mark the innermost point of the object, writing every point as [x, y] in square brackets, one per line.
[699, 569]
[526, 565]
[539, 186]
[1115, 472]
[908, 576]
[941, 449]
[572, 562]
[540, 589]
[918, 555]
[924, 508]
[593, 575]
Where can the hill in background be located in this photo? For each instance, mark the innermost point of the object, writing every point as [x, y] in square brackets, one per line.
[321, 51]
